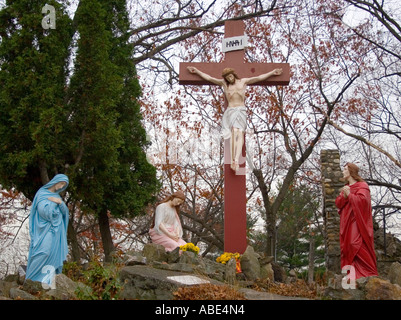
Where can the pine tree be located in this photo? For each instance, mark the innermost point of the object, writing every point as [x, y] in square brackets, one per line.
[295, 229]
[111, 172]
[33, 72]
[86, 124]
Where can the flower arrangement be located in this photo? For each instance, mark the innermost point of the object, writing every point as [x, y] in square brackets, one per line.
[190, 247]
[227, 256]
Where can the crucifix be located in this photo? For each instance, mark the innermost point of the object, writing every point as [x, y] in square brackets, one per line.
[209, 73]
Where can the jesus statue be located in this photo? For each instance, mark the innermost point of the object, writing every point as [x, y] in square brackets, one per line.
[234, 117]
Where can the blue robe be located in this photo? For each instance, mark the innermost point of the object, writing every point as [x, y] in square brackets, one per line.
[48, 222]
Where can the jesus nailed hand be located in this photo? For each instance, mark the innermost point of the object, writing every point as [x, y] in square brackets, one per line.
[234, 118]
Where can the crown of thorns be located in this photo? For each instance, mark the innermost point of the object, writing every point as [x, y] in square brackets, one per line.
[228, 71]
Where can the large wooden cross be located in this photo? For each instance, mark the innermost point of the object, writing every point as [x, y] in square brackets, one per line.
[235, 239]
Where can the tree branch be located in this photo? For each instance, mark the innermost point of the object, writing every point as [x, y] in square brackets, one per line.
[365, 141]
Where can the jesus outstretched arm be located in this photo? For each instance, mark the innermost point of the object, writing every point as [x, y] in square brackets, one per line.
[262, 77]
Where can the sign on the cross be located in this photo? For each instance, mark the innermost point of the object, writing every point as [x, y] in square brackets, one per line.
[235, 43]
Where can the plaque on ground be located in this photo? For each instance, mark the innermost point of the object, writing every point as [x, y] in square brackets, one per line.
[188, 280]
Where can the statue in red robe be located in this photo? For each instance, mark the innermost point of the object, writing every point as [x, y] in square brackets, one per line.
[356, 224]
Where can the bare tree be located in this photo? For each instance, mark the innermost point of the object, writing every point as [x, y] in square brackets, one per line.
[373, 129]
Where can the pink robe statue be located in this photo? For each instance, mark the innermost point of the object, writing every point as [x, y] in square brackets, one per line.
[166, 216]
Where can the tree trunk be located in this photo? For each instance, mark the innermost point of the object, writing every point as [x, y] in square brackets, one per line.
[72, 239]
[311, 267]
[107, 240]
[43, 172]
[271, 234]
[270, 214]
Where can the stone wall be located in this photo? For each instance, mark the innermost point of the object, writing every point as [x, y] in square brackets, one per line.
[331, 184]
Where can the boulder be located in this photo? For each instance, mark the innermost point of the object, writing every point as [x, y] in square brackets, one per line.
[212, 269]
[188, 257]
[266, 268]
[33, 287]
[154, 252]
[18, 294]
[147, 283]
[181, 267]
[250, 265]
[266, 272]
[5, 287]
[380, 289]
[394, 274]
[279, 272]
[64, 288]
[335, 289]
[134, 258]
[173, 256]
[230, 274]
[369, 288]
[292, 277]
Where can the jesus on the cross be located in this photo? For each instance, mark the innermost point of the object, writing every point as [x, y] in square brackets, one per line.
[234, 117]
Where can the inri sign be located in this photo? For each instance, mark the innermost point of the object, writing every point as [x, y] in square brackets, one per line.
[235, 43]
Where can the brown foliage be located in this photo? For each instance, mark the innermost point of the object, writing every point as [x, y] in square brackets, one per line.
[208, 292]
[296, 289]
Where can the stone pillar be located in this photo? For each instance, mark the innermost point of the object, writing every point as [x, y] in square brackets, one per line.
[331, 184]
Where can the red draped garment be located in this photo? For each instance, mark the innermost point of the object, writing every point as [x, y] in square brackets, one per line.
[356, 230]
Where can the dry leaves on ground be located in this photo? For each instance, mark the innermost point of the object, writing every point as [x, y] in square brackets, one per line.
[208, 292]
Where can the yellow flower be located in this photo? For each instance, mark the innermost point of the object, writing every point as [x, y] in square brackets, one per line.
[190, 247]
[226, 256]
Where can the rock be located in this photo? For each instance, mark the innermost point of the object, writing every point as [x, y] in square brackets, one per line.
[180, 267]
[154, 252]
[2, 288]
[258, 295]
[394, 274]
[18, 294]
[335, 289]
[147, 283]
[135, 258]
[292, 277]
[173, 256]
[188, 257]
[250, 265]
[264, 259]
[212, 269]
[11, 278]
[266, 272]
[231, 271]
[33, 287]
[64, 288]
[380, 289]
[279, 273]
[6, 286]
[369, 288]
[266, 269]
